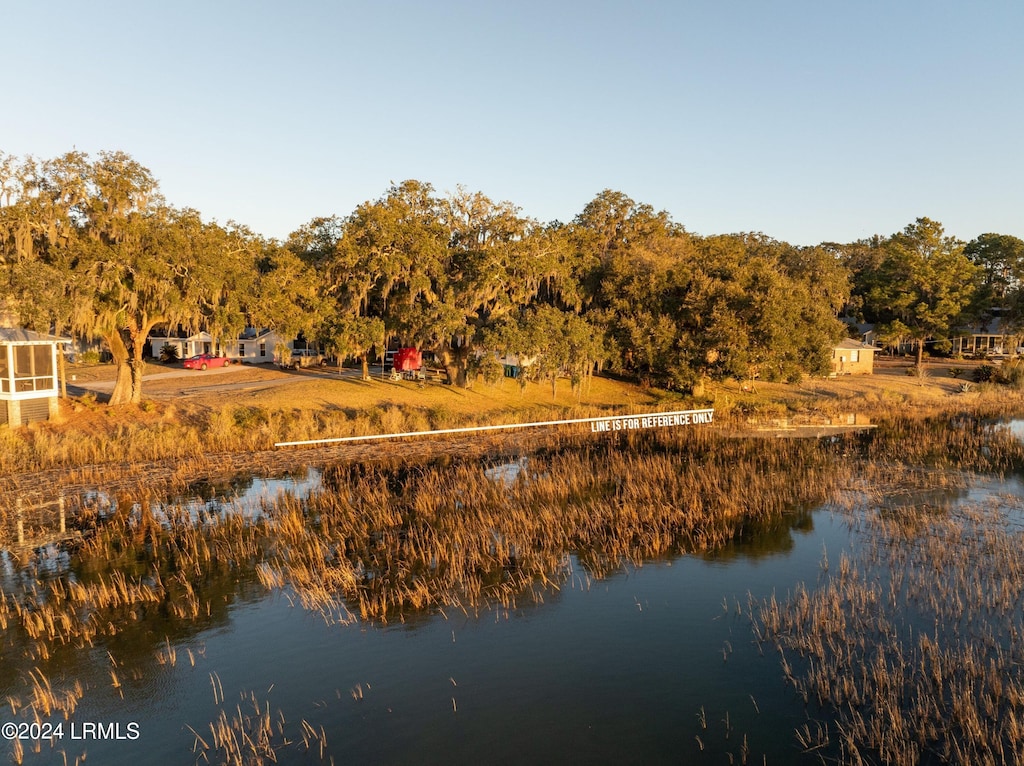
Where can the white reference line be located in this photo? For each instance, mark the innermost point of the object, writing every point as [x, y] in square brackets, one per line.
[646, 420]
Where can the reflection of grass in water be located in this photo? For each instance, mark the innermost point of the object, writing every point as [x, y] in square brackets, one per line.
[396, 540]
[915, 645]
[385, 540]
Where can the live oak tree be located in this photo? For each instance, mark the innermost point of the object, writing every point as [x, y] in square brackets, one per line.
[115, 259]
[437, 271]
[287, 296]
[165, 268]
[548, 343]
[353, 336]
[677, 308]
[493, 265]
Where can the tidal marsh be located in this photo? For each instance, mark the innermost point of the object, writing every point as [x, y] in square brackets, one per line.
[878, 652]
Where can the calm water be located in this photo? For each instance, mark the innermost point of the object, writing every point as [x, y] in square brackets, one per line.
[617, 670]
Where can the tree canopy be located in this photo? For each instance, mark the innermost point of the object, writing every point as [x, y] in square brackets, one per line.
[921, 284]
[101, 254]
[622, 285]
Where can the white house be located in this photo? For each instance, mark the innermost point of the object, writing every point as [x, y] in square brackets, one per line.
[253, 346]
[186, 346]
[28, 376]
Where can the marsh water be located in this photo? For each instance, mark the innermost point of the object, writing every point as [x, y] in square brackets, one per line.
[653, 661]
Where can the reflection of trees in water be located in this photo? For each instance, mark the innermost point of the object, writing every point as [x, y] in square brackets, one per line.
[446, 533]
[131, 592]
[764, 537]
[389, 541]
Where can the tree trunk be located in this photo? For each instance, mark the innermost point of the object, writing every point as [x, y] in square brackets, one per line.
[456, 372]
[62, 372]
[456, 364]
[123, 383]
[127, 353]
[365, 361]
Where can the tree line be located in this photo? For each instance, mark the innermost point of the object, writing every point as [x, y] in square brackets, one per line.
[89, 246]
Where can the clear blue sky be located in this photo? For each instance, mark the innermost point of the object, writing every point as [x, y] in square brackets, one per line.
[808, 120]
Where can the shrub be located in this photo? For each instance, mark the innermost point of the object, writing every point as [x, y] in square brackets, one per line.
[491, 369]
[169, 353]
[1011, 373]
[984, 374]
[250, 418]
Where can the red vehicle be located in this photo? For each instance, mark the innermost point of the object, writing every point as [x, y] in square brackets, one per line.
[408, 360]
[406, 363]
[202, 361]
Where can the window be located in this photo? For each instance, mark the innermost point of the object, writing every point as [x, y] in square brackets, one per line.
[263, 349]
[855, 356]
[33, 368]
[241, 349]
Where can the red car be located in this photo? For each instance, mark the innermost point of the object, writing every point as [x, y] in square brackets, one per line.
[202, 361]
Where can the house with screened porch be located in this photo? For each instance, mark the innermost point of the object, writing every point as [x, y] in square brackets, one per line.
[29, 387]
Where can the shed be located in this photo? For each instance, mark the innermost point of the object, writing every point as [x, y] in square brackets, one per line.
[851, 357]
[28, 375]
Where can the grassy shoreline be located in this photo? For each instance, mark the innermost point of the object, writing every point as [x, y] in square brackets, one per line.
[183, 422]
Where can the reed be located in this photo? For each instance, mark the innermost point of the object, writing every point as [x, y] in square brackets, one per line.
[391, 540]
[914, 645]
[427, 528]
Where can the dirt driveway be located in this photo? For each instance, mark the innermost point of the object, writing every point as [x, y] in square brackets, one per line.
[177, 382]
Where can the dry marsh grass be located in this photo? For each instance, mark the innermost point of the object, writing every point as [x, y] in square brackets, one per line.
[182, 428]
[388, 538]
[913, 644]
[390, 541]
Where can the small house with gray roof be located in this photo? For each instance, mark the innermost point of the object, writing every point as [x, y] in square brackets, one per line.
[28, 376]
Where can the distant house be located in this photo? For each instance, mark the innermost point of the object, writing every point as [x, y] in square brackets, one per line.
[253, 346]
[184, 345]
[851, 357]
[865, 331]
[994, 337]
[514, 365]
[28, 376]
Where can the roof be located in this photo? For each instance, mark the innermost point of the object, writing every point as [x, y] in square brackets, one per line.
[18, 336]
[850, 343]
[251, 333]
[165, 335]
[994, 326]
